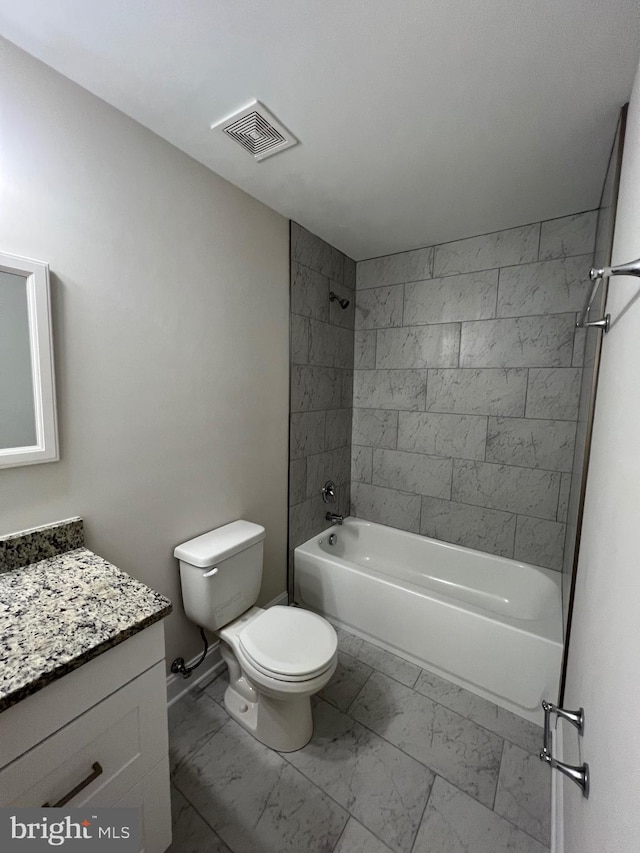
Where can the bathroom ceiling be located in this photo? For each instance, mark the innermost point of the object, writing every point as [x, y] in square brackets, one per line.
[420, 121]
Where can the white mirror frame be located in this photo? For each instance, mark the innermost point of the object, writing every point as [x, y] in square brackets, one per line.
[41, 346]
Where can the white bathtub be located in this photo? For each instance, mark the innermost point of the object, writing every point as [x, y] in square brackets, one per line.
[487, 623]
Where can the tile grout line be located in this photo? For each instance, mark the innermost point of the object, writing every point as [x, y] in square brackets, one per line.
[495, 793]
[200, 815]
[424, 811]
[420, 693]
[394, 746]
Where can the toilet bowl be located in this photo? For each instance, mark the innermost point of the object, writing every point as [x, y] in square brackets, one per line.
[277, 658]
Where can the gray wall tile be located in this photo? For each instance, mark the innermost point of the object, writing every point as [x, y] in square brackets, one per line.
[307, 434]
[563, 498]
[553, 392]
[539, 542]
[349, 272]
[297, 481]
[569, 235]
[447, 300]
[579, 342]
[531, 443]
[490, 251]
[375, 427]
[306, 519]
[299, 339]
[346, 386]
[527, 491]
[322, 390]
[547, 287]
[338, 428]
[309, 293]
[330, 346]
[389, 389]
[395, 269]
[314, 388]
[331, 465]
[364, 349]
[518, 342]
[488, 530]
[361, 464]
[412, 472]
[386, 506]
[313, 252]
[461, 436]
[379, 307]
[418, 346]
[477, 391]
[345, 317]
[498, 366]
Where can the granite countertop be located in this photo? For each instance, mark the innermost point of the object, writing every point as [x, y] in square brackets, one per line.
[59, 612]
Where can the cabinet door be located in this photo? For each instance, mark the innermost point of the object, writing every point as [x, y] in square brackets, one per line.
[152, 798]
[100, 755]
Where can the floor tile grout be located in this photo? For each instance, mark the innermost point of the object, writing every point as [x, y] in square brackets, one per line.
[201, 816]
[353, 721]
[442, 704]
[495, 793]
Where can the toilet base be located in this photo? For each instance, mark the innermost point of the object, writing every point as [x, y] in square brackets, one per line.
[284, 724]
[281, 725]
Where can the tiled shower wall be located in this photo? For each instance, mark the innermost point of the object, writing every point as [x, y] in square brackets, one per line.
[466, 386]
[321, 382]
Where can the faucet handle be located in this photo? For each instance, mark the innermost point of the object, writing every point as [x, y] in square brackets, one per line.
[328, 492]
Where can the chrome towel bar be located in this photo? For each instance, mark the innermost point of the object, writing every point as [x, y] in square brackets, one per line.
[579, 775]
[596, 276]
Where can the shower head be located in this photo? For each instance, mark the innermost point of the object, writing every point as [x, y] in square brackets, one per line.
[333, 297]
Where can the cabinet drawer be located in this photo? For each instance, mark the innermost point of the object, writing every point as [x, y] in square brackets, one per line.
[38, 716]
[126, 734]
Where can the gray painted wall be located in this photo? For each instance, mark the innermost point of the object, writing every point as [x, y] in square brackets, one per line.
[321, 381]
[466, 387]
[170, 292]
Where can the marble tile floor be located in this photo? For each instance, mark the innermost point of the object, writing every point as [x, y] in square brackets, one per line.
[400, 760]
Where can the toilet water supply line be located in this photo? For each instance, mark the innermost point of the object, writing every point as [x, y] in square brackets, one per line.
[179, 666]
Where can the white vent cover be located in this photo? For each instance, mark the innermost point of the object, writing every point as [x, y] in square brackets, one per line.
[257, 130]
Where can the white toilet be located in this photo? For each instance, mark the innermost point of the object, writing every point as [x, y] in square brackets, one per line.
[277, 658]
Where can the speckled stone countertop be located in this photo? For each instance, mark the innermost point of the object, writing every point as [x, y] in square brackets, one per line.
[59, 612]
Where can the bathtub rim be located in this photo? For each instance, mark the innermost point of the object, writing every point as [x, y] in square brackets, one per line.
[552, 622]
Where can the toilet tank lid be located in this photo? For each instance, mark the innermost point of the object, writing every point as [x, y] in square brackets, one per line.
[206, 550]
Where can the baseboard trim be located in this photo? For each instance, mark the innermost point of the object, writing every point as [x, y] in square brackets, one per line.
[211, 666]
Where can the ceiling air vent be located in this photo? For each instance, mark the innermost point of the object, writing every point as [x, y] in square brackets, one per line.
[257, 130]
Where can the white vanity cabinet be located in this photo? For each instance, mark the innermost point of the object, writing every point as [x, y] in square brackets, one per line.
[96, 737]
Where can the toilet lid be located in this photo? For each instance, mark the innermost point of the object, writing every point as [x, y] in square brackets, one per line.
[289, 642]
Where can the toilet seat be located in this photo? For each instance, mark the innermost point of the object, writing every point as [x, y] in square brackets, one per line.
[288, 644]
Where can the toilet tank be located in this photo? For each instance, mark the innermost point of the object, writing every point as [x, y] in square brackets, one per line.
[211, 598]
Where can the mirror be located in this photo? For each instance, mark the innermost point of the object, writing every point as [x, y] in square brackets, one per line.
[28, 430]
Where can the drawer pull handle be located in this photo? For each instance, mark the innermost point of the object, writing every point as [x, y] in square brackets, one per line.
[96, 771]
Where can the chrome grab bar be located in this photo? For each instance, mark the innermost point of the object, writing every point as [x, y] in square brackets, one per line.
[579, 775]
[596, 276]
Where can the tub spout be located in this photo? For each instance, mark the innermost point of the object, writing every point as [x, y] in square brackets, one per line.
[334, 517]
